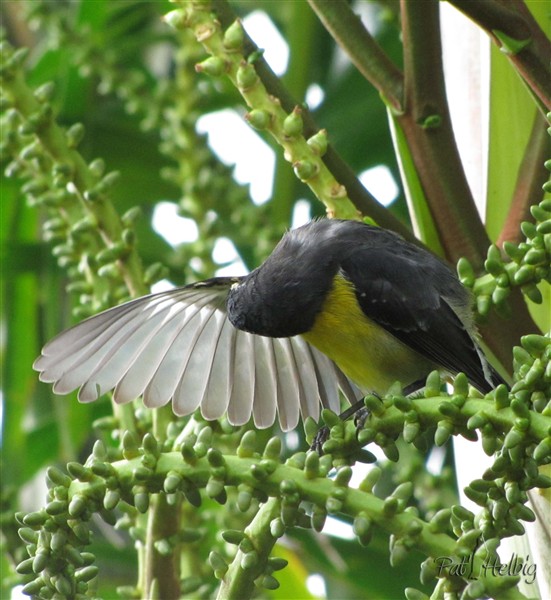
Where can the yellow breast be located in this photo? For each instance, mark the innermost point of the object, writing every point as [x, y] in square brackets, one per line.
[369, 355]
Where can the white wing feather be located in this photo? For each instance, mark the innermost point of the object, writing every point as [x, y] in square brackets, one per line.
[179, 345]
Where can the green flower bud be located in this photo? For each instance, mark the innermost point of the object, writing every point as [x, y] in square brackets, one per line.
[391, 506]
[528, 229]
[444, 430]
[45, 92]
[246, 77]
[293, 124]
[542, 452]
[87, 573]
[214, 487]
[141, 500]
[532, 292]
[277, 528]
[130, 445]
[433, 385]
[131, 216]
[330, 418]
[513, 251]
[74, 135]
[176, 19]
[57, 477]
[493, 263]
[213, 66]
[545, 227]
[234, 36]
[429, 571]
[500, 294]
[218, 564]
[77, 505]
[269, 582]
[97, 167]
[193, 497]
[259, 119]
[411, 431]
[344, 474]
[431, 122]
[305, 169]
[539, 213]
[318, 143]
[33, 587]
[465, 272]
[363, 528]
[319, 515]
[247, 445]
[483, 304]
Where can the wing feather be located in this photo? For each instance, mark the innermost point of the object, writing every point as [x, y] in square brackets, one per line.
[289, 390]
[265, 392]
[241, 401]
[179, 345]
[190, 392]
[220, 383]
[310, 397]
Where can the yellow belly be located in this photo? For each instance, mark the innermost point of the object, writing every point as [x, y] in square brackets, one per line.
[369, 355]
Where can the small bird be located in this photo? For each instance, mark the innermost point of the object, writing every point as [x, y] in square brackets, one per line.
[338, 304]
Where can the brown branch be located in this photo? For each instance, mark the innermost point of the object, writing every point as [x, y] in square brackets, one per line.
[531, 176]
[364, 52]
[427, 126]
[526, 44]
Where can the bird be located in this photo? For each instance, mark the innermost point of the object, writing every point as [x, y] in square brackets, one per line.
[338, 304]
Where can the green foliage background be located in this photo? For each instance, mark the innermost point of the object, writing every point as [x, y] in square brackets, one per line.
[130, 80]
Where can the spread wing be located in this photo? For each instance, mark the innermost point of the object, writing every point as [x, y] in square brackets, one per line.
[179, 345]
[421, 303]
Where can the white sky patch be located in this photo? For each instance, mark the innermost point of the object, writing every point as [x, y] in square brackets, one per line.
[17, 593]
[175, 229]
[338, 529]
[380, 182]
[235, 143]
[316, 585]
[301, 214]
[436, 460]
[235, 269]
[314, 96]
[224, 251]
[162, 286]
[267, 37]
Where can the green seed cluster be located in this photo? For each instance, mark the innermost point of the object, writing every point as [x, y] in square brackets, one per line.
[227, 58]
[524, 265]
[190, 469]
[168, 107]
[94, 245]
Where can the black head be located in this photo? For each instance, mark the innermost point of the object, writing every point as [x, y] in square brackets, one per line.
[284, 295]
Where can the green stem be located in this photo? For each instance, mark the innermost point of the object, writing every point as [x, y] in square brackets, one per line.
[162, 571]
[239, 582]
